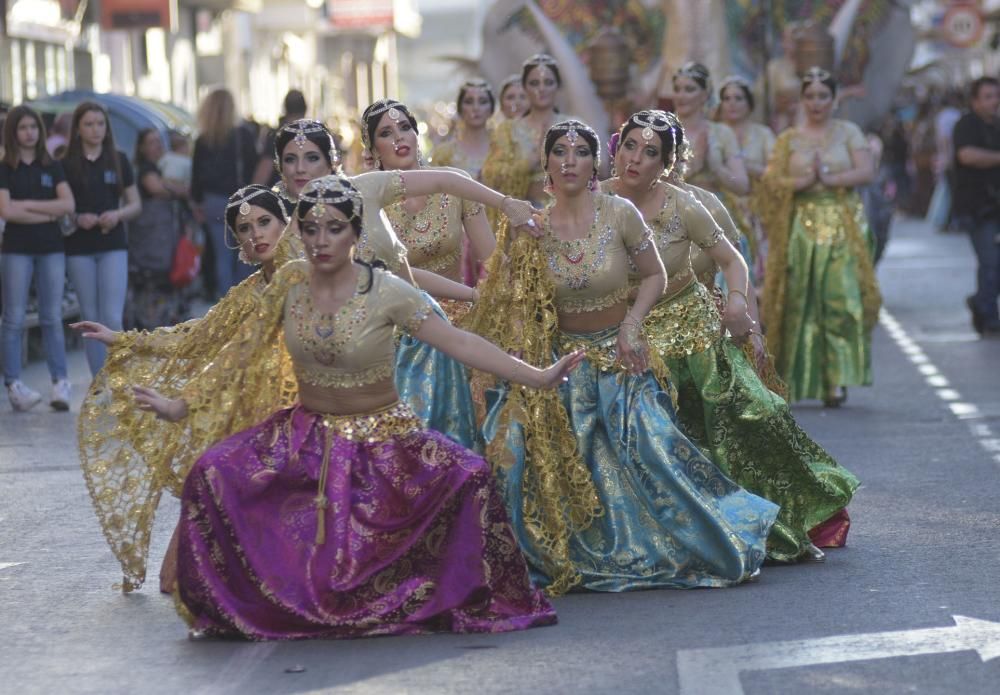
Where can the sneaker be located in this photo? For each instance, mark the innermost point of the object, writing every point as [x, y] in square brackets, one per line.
[60, 395]
[21, 397]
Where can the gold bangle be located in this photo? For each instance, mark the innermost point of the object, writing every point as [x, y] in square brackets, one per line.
[740, 293]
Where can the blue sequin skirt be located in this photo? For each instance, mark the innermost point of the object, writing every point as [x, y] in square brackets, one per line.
[671, 518]
[436, 388]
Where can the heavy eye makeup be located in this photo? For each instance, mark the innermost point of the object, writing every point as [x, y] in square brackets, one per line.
[632, 145]
[311, 229]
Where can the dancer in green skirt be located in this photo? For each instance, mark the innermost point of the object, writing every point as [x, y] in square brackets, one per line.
[746, 429]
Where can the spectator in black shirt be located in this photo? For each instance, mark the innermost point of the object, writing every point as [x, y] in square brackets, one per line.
[33, 195]
[224, 160]
[267, 173]
[976, 205]
[97, 252]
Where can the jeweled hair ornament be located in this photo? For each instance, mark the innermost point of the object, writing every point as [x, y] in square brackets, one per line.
[696, 72]
[816, 74]
[572, 129]
[395, 110]
[333, 190]
[652, 121]
[540, 59]
[306, 126]
[477, 83]
[734, 79]
[243, 197]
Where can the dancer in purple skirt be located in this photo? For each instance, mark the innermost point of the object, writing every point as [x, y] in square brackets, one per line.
[341, 516]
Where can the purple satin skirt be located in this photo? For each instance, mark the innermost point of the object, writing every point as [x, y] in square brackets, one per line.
[318, 526]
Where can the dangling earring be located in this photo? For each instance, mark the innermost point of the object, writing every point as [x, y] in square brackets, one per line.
[592, 183]
[656, 179]
[548, 184]
[421, 162]
[243, 257]
[277, 165]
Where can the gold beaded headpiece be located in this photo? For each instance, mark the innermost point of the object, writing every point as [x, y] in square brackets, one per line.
[241, 198]
[306, 126]
[331, 189]
[571, 130]
[394, 109]
[816, 74]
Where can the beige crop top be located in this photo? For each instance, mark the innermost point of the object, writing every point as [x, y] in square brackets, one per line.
[354, 346]
[433, 235]
[378, 241]
[842, 138]
[682, 219]
[703, 265]
[758, 141]
[722, 146]
[591, 273]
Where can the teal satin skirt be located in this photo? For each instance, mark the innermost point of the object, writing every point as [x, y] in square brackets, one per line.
[671, 518]
[436, 387]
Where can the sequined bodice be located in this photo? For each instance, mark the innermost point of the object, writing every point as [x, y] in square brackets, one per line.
[591, 273]
[433, 235]
[353, 346]
[834, 149]
[722, 145]
[378, 240]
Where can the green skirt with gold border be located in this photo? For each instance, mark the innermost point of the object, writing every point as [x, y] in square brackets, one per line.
[747, 430]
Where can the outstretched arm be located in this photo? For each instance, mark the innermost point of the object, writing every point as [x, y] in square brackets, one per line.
[478, 353]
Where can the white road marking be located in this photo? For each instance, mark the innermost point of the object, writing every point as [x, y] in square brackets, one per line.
[934, 378]
[5, 565]
[717, 671]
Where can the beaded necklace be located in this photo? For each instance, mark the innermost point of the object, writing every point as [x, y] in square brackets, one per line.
[324, 335]
[573, 262]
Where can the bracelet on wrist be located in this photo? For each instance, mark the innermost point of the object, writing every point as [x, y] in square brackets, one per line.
[740, 293]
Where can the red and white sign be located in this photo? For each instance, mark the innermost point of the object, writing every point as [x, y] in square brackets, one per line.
[963, 25]
[360, 14]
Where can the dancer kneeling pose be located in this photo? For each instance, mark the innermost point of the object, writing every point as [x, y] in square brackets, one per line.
[604, 490]
[341, 516]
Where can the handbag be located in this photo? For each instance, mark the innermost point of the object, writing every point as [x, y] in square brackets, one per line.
[187, 263]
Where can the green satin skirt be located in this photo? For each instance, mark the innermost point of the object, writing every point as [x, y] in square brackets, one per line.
[745, 429]
[824, 343]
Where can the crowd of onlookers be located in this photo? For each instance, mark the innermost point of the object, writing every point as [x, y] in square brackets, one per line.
[941, 162]
[94, 233]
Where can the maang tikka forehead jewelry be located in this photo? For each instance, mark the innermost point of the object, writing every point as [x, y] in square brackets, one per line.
[330, 189]
[243, 197]
[392, 108]
[816, 74]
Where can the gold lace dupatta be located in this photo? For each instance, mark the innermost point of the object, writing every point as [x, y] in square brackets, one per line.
[232, 367]
[516, 311]
[773, 203]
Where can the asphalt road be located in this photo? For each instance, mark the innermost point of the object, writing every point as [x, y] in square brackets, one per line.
[925, 546]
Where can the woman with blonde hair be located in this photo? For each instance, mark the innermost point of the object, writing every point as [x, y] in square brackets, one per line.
[223, 161]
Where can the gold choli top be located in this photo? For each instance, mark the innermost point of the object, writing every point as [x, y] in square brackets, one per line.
[681, 220]
[757, 143]
[449, 153]
[591, 273]
[842, 138]
[354, 346]
[722, 146]
[433, 235]
[379, 189]
[702, 264]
